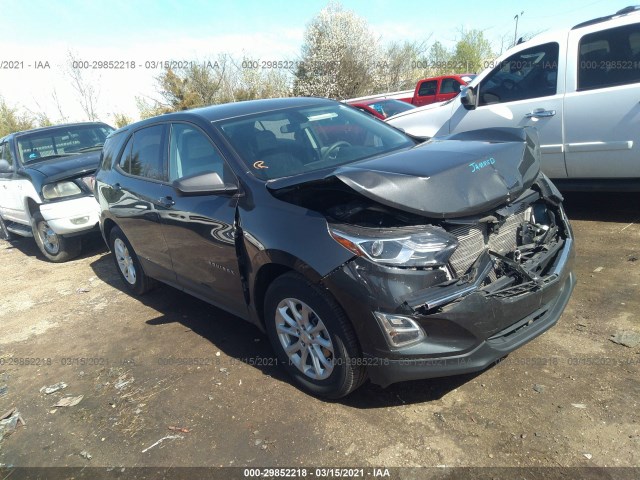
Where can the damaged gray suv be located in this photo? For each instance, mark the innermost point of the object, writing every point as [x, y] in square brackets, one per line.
[362, 253]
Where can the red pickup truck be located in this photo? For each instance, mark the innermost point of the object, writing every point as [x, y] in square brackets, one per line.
[428, 90]
[439, 89]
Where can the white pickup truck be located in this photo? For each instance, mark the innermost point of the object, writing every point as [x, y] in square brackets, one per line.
[46, 186]
[579, 87]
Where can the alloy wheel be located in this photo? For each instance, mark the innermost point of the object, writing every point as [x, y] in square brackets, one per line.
[304, 338]
[125, 262]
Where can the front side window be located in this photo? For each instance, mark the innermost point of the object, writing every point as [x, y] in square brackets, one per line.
[609, 57]
[191, 153]
[5, 152]
[450, 85]
[428, 88]
[147, 155]
[531, 73]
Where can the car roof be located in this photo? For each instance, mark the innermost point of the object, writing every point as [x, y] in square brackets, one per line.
[619, 13]
[51, 127]
[452, 75]
[231, 110]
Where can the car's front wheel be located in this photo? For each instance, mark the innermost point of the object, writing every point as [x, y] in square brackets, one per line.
[54, 247]
[312, 337]
[128, 264]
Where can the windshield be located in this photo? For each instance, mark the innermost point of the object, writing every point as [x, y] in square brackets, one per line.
[305, 139]
[61, 141]
[388, 108]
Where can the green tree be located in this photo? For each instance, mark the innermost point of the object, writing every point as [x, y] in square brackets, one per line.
[471, 52]
[212, 82]
[439, 60]
[11, 120]
[121, 120]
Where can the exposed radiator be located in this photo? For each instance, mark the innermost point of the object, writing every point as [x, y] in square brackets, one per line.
[474, 239]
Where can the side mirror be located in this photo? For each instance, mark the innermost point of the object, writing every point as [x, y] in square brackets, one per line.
[468, 98]
[203, 184]
[5, 167]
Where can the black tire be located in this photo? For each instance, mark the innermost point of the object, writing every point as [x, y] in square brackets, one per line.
[54, 247]
[126, 260]
[4, 233]
[344, 372]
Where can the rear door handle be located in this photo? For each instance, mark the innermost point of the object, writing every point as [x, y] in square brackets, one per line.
[166, 202]
[540, 113]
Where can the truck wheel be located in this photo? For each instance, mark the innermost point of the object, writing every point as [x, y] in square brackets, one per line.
[55, 247]
[4, 233]
[312, 337]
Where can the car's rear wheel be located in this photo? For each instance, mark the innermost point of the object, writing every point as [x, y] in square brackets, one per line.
[54, 247]
[4, 233]
[312, 337]
[128, 264]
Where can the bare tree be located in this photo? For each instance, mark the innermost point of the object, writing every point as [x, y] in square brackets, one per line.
[39, 116]
[402, 66]
[87, 93]
[56, 100]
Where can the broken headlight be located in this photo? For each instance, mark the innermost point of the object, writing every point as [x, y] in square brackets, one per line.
[417, 247]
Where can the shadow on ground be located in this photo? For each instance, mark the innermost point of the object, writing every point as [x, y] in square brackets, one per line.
[602, 207]
[245, 343]
[92, 244]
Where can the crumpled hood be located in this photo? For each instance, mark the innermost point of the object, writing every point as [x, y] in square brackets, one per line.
[67, 167]
[460, 175]
[456, 176]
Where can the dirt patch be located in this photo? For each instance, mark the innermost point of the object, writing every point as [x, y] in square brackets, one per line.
[168, 360]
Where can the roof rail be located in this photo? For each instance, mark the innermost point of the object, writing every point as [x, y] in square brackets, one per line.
[624, 11]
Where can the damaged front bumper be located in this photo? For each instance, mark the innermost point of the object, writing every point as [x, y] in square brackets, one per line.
[468, 325]
[69, 217]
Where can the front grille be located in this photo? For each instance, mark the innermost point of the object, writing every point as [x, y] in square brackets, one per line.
[474, 239]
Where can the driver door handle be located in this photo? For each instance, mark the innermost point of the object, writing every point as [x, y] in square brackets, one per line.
[540, 113]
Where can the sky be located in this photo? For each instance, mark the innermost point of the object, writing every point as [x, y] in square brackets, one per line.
[41, 32]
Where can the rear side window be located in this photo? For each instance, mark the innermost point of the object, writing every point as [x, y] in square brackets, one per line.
[609, 57]
[530, 73]
[145, 152]
[428, 88]
[110, 151]
[125, 159]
